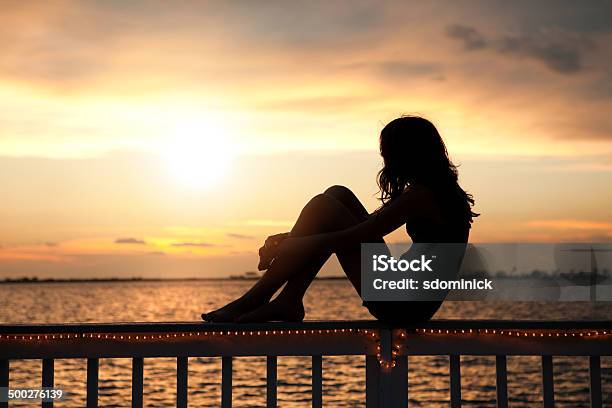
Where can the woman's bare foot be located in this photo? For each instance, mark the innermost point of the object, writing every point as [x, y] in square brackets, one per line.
[276, 310]
[233, 310]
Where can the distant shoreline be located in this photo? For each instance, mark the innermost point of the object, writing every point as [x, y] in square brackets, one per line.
[135, 279]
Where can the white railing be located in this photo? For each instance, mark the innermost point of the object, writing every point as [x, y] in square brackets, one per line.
[386, 350]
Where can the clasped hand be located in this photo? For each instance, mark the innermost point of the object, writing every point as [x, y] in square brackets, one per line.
[284, 243]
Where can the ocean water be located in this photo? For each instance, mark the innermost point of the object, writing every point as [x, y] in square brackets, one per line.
[343, 377]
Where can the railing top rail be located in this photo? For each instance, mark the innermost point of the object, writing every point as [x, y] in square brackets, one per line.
[143, 327]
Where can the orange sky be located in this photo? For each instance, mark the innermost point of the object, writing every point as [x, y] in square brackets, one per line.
[155, 139]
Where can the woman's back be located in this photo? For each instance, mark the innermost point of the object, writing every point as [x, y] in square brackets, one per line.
[443, 217]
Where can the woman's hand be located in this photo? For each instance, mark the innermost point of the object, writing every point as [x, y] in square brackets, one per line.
[270, 250]
[275, 240]
[300, 245]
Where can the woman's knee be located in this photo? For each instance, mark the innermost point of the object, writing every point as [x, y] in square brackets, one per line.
[318, 200]
[326, 207]
[347, 198]
[322, 214]
[339, 192]
[319, 205]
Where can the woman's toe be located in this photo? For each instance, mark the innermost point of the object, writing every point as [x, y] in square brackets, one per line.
[209, 317]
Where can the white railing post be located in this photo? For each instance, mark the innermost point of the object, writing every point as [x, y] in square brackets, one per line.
[455, 380]
[271, 381]
[182, 381]
[501, 375]
[372, 382]
[137, 383]
[92, 382]
[595, 381]
[317, 381]
[4, 378]
[548, 387]
[393, 385]
[226, 381]
[48, 378]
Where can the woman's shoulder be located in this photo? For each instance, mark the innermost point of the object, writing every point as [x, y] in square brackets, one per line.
[421, 192]
[428, 203]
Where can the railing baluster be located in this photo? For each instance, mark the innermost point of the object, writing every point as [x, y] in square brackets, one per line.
[386, 397]
[4, 378]
[92, 382]
[226, 382]
[181, 382]
[595, 374]
[271, 377]
[501, 374]
[372, 381]
[548, 388]
[455, 381]
[137, 374]
[399, 382]
[47, 378]
[317, 381]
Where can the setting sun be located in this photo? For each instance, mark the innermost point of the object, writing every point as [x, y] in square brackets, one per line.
[198, 155]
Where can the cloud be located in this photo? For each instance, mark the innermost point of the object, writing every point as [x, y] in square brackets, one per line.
[472, 39]
[406, 68]
[193, 244]
[572, 224]
[239, 236]
[560, 51]
[156, 253]
[133, 241]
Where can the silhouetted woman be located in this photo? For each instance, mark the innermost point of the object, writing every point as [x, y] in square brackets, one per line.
[418, 187]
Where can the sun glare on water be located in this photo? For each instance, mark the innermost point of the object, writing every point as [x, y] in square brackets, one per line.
[198, 155]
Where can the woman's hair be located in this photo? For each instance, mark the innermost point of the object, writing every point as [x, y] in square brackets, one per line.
[413, 151]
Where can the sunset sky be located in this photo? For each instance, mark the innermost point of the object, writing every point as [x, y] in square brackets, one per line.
[168, 139]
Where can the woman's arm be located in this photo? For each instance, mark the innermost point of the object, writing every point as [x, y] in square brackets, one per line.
[269, 250]
[382, 222]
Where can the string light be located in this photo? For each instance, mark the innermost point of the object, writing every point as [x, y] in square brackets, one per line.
[399, 338]
[515, 332]
[396, 346]
[123, 336]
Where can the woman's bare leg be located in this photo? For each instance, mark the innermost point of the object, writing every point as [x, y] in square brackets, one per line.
[314, 218]
[336, 209]
[341, 211]
[349, 257]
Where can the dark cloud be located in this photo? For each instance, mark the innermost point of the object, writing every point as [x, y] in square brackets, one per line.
[560, 51]
[51, 244]
[156, 253]
[76, 44]
[193, 244]
[405, 68]
[134, 241]
[239, 236]
[580, 16]
[308, 25]
[472, 39]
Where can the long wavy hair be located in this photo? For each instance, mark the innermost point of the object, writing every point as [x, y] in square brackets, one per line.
[413, 152]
